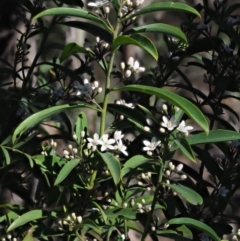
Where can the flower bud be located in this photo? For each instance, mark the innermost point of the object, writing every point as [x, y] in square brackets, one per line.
[164, 107]
[153, 228]
[143, 201]
[132, 202]
[74, 136]
[96, 84]
[149, 174]
[166, 225]
[128, 73]
[140, 183]
[124, 205]
[70, 147]
[74, 216]
[85, 81]
[183, 177]
[179, 167]
[149, 153]
[121, 117]
[162, 130]
[149, 121]
[65, 152]
[146, 128]
[143, 176]
[139, 205]
[79, 219]
[168, 173]
[83, 134]
[136, 65]
[97, 39]
[107, 10]
[99, 90]
[122, 65]
[130, 61]
[149, 189]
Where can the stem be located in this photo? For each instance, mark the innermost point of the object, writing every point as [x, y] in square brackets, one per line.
[79, 236]
[31, 69]
[106, 92]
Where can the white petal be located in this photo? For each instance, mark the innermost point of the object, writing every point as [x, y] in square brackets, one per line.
[165, 119]
[146, 148]
[146, 143]
[111, 141]
[92, 4]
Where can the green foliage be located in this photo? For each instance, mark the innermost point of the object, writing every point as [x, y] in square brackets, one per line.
[97, 185]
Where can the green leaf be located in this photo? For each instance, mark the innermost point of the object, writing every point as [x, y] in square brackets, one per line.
[132, 225]
[6, 154]
[186, 149]
[160, 28]
[190, 195]
[127, 213]
[81, 125]
[190, 109]
[42, 115]
[25, 218]
[195, 224]
[89, 224]
[74, 13]
[163, 6]
[104, 216]
[138, 40]
[65, 171]
[113, 165]
[134, 162]
[73, 48]
[186, 232]
[213, 136]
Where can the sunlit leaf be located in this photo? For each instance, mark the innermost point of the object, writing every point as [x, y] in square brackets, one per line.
[190, 109]
[25, 218]
[195, 224]
[42, 115]
[74, 12]
[113, 165]
[138, 40]
[159, 28]
[163, 6]
[65, 171]
[190, 195]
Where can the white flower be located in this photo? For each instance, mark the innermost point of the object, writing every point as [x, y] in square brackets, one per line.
[223, 191]
[183, 128]
[106, 143]
[98, 3]
[121, 147]
[118, 135]
[151, 146]
[93, 141]
[169, 124]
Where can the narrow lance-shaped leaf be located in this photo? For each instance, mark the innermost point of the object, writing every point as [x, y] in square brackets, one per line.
[190, 109]
[113, 165]
[160, 28]
[185, 148]
[42, 115]
[213, 137]
[195, 224]
[74, 13]
[190, 195]
[163, 6]
[138, 40]
[25, 218]
[65, 171]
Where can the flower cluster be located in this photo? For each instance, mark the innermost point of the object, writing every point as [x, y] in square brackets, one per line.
[87, 89]
[70, 221]
[132, 67]
[106, 143]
